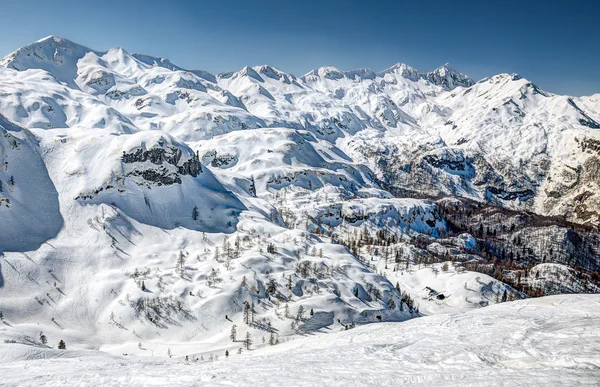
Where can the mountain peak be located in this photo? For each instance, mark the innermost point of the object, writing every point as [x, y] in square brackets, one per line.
[329, 72]
[49, 38]
[361, 74]
[448, 78]
[54, 54]
[403, 69]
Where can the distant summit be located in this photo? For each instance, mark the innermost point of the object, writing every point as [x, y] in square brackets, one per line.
[448, 78]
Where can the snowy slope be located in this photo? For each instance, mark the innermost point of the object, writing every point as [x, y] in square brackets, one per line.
[546, 341]
[29, 209]
[128, 202]
[436, 289]
[153, 205]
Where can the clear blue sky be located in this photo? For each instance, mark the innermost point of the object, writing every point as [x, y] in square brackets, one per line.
[556, 44]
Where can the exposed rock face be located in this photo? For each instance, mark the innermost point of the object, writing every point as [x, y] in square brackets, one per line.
[580, 187]
[159, 156]
[505, 194]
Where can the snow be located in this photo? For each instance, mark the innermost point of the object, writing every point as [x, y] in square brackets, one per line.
[29, 209]
[515, 143]
[462, 290]
[151, 203]
[545, 341]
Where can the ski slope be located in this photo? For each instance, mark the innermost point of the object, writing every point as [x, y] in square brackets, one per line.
[546, 341]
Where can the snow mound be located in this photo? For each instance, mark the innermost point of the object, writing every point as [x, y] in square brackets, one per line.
[155, 179]
[447, 287]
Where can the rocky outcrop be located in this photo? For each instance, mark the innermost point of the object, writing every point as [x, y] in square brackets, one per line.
[158, 156]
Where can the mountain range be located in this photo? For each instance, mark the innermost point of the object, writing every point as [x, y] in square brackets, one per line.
[144, 205]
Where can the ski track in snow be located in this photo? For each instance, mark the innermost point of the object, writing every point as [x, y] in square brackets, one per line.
[547, 341]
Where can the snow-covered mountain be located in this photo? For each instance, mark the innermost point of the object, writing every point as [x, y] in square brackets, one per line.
[141, 202]
[501, 140]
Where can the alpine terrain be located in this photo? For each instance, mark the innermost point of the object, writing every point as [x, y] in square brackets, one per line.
[161, 225]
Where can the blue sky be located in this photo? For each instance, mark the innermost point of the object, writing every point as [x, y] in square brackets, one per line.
[556, 44]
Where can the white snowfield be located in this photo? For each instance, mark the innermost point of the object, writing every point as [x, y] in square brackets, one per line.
[549, 341]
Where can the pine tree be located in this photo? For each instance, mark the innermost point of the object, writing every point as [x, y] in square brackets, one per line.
[248, 341]
[213, 277]
[300, 314]
[233, 334]
[246, 312]
[143, 286]
[226, 353]
[181, 263]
